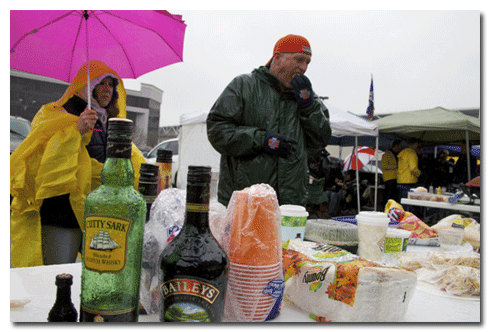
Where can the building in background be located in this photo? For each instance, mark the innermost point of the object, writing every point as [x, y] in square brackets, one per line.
[28, 92]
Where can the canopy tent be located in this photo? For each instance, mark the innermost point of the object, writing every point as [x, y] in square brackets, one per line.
[435, 126]
[194, 146]
[346, 126]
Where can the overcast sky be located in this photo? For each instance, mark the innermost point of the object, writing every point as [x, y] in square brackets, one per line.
[418, 59]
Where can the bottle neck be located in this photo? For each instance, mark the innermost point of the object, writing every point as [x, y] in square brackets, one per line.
[117, 172]
[197, 206]
[63, 294]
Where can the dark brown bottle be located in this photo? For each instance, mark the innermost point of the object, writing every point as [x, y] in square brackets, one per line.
[148, 185]
[194, 267]
[63, 309]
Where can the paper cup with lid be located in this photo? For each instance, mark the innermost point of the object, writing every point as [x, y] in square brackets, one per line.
[293, 221]
[371, 230]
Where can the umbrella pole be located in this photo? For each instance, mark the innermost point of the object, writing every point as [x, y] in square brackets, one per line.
[85, 15]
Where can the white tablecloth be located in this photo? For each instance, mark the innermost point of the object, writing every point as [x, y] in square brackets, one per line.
[37, 285]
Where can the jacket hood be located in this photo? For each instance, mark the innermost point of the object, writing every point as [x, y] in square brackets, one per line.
[97, 69]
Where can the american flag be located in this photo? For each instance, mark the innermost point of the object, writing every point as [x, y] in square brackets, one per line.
[370, 108]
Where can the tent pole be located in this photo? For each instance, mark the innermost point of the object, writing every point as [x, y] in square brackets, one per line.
[357, 180]
[468, 155]
[376, 177]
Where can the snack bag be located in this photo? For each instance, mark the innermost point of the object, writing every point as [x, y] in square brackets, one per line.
[408, 221]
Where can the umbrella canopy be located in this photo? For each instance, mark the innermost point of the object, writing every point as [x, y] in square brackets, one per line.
[360, 158]
[436, 125]
[56, 43]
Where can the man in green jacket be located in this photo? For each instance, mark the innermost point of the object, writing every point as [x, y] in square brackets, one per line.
[266, 124]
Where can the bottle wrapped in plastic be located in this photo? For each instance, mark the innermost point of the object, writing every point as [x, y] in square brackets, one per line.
[455, 197]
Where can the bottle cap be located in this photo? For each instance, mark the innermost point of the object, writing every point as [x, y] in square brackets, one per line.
[64, 279]
[149, 170]
[164, 156]
[199, 174]
[120, 126]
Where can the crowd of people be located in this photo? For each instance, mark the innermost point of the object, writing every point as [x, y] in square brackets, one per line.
[409, 168]
[331, 191]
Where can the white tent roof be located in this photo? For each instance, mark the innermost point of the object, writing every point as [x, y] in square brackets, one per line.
[347, 124]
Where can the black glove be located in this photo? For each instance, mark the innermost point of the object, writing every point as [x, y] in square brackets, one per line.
[302, 90]
[279, 145]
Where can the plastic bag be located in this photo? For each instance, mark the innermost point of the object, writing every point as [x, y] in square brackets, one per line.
[167, 216]
[456, 280]
[332, 284]
[471, 228]
[408, 221]
[166, 220]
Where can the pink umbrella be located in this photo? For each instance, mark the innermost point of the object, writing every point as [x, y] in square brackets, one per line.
[56, 43]
[364, 156]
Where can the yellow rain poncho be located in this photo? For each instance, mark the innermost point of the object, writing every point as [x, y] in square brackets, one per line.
[53, 161]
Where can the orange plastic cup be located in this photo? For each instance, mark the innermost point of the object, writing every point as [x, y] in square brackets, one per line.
[254, 231]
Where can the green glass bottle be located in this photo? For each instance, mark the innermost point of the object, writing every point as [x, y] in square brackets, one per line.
[113, 236]
[194, 267]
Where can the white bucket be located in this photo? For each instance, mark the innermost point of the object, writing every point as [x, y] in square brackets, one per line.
[396, 240]
[293, 221]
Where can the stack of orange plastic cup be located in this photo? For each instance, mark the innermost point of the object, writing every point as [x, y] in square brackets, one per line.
[255, 255]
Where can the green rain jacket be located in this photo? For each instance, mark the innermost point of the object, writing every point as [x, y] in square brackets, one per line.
[251, 105]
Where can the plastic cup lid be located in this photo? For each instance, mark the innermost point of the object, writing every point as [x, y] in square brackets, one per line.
[373, 218]
[397, 233]
[293, 210]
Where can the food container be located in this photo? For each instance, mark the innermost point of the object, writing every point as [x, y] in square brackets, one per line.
[371, 230]
[396, 240]
[337, 233]
[293, 221]
[428, 197]
[452, 236]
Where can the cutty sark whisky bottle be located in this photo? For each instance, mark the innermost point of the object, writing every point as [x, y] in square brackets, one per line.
[194, 267]
[113, 236]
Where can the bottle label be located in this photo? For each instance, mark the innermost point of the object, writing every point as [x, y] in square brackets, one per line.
[119, 150]
[195, 207]
[106, 240]
[164, 175]
[189, 300]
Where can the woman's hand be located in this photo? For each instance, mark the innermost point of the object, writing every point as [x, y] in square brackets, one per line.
[87, 121]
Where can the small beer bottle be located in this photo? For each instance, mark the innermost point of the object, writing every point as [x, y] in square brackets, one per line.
[63, 309]
[148, 185]
[164, 162]
[113, 236]
[194, 267]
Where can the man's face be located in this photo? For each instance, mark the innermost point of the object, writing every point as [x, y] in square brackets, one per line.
[287, 65]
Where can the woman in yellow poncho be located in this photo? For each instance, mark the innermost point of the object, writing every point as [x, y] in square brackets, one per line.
[58, 164]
